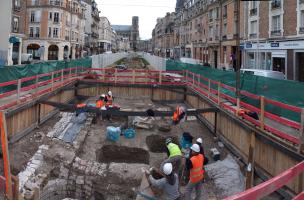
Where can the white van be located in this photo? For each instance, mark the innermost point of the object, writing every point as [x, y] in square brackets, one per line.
[265, 73]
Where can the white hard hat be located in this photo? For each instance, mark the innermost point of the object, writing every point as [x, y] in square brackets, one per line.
[199, 140]
[110, 93]
[195, 148]
[103, 95]
[167, 168]
[168, 140]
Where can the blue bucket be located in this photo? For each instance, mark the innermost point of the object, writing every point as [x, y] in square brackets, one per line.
[113, 133]
[129, 133]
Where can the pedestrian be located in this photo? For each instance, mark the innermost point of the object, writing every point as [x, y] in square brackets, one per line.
[199, 141]
[195, 164]
[169, 183]
[175, 155]
[179, 115]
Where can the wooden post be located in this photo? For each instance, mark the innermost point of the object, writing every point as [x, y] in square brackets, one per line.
[18, 90]
[70, 75]
[160, 77]
[186, 76]
[193, 79]
[52, 83]
[15, 179]
[133, 78]
[37, 81]
[209, 88]
[250, 163]
[38, 114]
[6, 160]
[62, 76]
[219, 93]
[301, 136]
[215, 124]
[115, 76]
[262, 118]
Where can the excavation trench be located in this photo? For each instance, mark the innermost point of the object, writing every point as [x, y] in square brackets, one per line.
[122, 154]
[157, 143]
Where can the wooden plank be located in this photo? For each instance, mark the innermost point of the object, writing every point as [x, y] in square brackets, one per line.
[301, 135]
[6, 159]
[250, 163]
[262, 117]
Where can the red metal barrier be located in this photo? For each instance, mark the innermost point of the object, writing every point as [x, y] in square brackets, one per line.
[271, 185]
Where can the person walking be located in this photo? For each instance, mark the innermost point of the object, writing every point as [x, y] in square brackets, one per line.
[169, 184]
[195, 164]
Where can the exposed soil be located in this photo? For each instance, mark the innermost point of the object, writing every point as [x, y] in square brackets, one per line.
[114, 153]
[156, 143]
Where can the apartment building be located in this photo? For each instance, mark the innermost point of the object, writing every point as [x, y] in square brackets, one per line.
[275, 37]
[163, 40]
[105, 35]
[55, 29]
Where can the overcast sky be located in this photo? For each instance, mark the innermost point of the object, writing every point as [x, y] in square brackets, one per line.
[120, 12]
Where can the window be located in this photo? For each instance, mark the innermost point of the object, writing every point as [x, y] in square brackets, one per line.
[253, 27]
[31, 34]
[17, 5]
[32, 16]
[225, 11]
[302, 18]
[254, 4]
[225, 29]
[37, 33]
[15, 25]
[55, 32]
[50, 16]
[275, 4]
[50, 32]
[276, 25]
[56, 17]
[35, 2]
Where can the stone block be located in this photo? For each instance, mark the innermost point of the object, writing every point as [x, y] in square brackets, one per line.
[80, 180]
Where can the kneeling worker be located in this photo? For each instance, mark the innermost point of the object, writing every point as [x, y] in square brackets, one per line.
[169, 183]
[175, 155]
[195, 165]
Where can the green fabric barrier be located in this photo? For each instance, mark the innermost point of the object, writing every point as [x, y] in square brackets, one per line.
[9, 73]
[285, 91]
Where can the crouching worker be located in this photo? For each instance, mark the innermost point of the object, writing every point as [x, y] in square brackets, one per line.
[179, 115]
[169, 184]
[195, 164]
[175, 156]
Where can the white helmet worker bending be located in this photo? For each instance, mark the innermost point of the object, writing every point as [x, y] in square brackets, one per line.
[110, 93]
[167, 169]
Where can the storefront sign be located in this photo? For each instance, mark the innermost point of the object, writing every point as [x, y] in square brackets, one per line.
[248, 45]
[275, 44]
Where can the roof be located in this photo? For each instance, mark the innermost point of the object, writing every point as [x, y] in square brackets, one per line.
[118, 28]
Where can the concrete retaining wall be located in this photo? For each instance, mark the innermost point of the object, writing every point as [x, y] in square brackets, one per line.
[103, 60]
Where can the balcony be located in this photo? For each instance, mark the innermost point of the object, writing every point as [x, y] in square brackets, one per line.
[235, 36]
[276, 33]
[55, 3]
[17, 8]
[275, 4]
[301, 30]
[224, 37]
[253, 35]
[253, 11]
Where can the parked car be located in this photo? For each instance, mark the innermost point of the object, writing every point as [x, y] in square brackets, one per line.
[121, 67]
[265, 73]
[171, 77]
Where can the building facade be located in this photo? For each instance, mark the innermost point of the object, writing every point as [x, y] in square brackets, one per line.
[275, 36]
[55, 29]
[163, 36]
[105, 35]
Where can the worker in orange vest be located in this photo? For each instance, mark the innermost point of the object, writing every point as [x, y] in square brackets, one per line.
[179, 114]
[100, 101]
[195, 164]
[109, 99]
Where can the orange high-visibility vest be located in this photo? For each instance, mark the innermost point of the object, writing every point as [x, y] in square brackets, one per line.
[81, 105]
[197, 172]
[99, 103]
[110, 100]
[177, 113]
